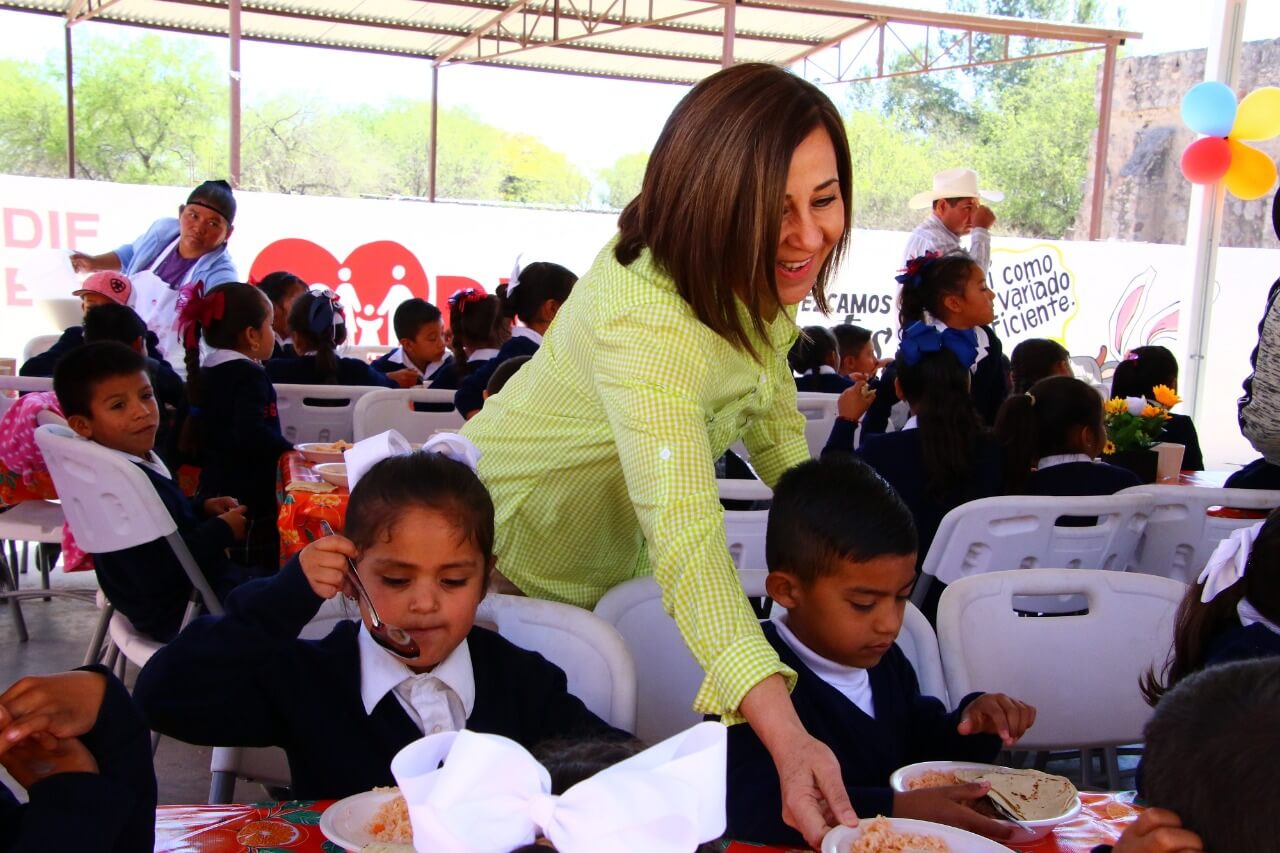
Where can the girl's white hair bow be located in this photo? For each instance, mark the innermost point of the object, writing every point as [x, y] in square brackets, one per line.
[491, 796]
[370, 451]
[1227, 562]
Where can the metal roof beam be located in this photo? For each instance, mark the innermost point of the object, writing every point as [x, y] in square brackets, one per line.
[328, 18]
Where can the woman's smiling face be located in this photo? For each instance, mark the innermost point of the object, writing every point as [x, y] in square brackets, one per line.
[812, 219]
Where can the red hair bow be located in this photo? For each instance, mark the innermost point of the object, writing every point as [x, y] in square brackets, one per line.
[461, 298]
[196, 311]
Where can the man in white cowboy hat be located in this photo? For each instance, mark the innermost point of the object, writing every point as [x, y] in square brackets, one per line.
[956, 211]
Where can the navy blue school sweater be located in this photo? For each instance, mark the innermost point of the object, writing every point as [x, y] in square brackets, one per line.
[42, 364]
[111, 811]
[244, 679]
[147, 584]
[1180, 429]
[1258, 474]
[444, 377]
[1072, 479]
[823, 383]
[1243, 643]
[471, 388]
[302, 370]
[908, 727]
[240, 436]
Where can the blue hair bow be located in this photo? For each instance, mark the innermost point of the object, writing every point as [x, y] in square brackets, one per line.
[921, 338]
[325, 313]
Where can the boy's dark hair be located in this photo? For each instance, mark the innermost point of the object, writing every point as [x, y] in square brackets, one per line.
[850, 339]
[815, 346]
[940, 277]
[79, 371]
[1033, 360]
[322, 328]
[828, 510]
[937, 387]
[1040, 422]
[278, 284]
[571, 760]
[1210, 755]
[1198, 624]
[112, 322]
[503, 373]
[411, 315]
[424, 481]
[1143, 369]
[538, 282]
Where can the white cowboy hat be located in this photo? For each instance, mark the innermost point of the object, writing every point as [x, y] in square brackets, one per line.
[953, 183]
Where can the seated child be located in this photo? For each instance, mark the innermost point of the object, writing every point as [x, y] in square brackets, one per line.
[858, 360]
[1036, 359]
[813, 358]
[75, 741]
[420, 528]
[1209, 765]
[479, 329]
[318, 328]
[101, 288]
[503, 373]
[417, 326]
[1232, 612]
[1137, 376]
[105, 395]
[843, 588]
[282, 288]
[1052, 435]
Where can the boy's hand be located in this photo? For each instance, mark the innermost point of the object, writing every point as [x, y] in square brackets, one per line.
[997, 714]
[855, 401]
[217, 506]
[406, 377]
[947, 804]
[324, 562]
[1158, 831]
[64, 706]
[237, 522]
[43, 755]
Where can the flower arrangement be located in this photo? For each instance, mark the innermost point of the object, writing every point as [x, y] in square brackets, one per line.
[1135, 423]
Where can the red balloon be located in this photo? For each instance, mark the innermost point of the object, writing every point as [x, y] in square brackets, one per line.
[1206, 160]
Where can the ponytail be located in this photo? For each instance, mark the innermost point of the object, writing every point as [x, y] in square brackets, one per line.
[936, 386]
[533, 287]
[1042, 422]
[317, 319]
[927, 280]
[815, 347]
[1016, 430]
[476, 320]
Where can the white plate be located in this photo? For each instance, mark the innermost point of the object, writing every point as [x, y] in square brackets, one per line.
[841, 839]
[346, 822]
[309, 452]
[333, 472]
[1035, 829]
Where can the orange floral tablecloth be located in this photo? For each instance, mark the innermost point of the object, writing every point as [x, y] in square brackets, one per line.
[295, 826]
[301, 512]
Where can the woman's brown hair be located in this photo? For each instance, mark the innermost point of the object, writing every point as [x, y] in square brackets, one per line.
[717, 178]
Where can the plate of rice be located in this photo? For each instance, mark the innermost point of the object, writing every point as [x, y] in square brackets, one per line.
[323, 451]
[903, 835]
[375, 820]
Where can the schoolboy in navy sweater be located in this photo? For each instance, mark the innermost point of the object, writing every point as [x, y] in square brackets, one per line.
[844, 587]
[106, 396]
[421, 529]
[417, 326]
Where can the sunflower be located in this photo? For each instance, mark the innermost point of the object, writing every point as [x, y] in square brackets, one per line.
[1115, 406]
[1166, 396]
[1109, 448]
[1154, 412]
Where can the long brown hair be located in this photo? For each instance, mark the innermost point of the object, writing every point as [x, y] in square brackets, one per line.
[710, 207]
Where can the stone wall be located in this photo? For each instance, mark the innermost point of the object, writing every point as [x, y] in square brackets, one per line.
[1147, 199]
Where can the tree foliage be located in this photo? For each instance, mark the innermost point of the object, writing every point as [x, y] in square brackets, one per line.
[622, 180]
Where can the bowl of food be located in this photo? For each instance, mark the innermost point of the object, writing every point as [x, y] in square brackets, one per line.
[376, 820]
[903, 835]
[333, 472]
[323, 451]
[1039, 801]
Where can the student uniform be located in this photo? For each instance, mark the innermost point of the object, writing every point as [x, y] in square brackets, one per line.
[302, 370]
[874, 720]
[470, 394]
[471, 388]
[1075, 474]
[111, 811]
[246, 680]
[439, 374]
[146, 582]
[1258, 474]
[42, 364]
[825, 381]
[1180, 429]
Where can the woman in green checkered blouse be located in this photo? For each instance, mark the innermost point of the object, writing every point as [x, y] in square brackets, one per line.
[600, 452]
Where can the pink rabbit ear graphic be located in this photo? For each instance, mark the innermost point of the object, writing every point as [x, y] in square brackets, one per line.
[1125, 320]
[1163, 326]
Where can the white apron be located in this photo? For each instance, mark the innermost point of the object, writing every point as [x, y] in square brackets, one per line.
[157, 305]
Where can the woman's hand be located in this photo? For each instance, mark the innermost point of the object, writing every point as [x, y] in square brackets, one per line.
[948, 804]
[324, 562]
[65, 705]
[82, 263]
[1158, 831]
[813, 795]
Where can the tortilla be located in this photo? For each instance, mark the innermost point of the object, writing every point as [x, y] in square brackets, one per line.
[1027, 794]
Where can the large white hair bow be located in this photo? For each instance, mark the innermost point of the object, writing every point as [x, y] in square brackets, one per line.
[1228, 561]
[370, 451]
[491, 796]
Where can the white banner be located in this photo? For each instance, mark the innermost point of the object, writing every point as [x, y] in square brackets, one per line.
[1098, 299]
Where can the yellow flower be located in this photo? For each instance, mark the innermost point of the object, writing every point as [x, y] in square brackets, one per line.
[1109, 448]
[1153, 412]
[1115, 406]
[1166, 396]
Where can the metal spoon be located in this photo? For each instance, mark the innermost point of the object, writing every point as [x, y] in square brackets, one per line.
[1006, 814]
[393, 639]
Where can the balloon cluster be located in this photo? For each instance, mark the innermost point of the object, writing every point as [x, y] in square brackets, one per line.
[1211, 109]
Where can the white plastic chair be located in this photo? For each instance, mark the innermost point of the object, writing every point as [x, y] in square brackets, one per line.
[745, 528]
[16, 385]
[819, 412]
[1019, 532]
[920, 644]
[38, 344]
[301, 421]
[36, 521]
[1080, 671]
[389, 408]
[1181, 535]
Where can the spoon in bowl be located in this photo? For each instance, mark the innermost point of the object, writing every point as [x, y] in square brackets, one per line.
[393, 639]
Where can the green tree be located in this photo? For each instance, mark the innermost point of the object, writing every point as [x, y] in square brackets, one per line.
[32, 121]
[622, 180]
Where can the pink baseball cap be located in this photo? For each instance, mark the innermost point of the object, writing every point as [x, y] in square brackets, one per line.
[111, 284]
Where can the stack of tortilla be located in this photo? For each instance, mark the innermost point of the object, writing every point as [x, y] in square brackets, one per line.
[1026, 794]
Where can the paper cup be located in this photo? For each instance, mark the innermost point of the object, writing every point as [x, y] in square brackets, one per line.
[1168, 461]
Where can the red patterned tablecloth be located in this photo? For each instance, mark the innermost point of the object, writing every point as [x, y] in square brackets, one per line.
[295, 826]
[301, 512]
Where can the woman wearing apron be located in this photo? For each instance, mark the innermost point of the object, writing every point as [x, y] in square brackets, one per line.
[172, 253]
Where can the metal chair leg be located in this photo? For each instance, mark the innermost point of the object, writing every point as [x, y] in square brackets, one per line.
[9, 579]
[97, 649]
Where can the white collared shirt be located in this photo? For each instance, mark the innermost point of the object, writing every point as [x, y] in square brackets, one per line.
[151, 460]
[436, 701]
[1062, 459]
[1249, 615]
[526, 332]
[852, 682]
[222, 356]
[912, 423]
[485, 354]
[933, 236]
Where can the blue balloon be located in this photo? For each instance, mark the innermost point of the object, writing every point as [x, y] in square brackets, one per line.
[1209, 108]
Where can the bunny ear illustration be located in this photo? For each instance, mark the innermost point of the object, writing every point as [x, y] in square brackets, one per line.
[1125, 319]
[1163, 325]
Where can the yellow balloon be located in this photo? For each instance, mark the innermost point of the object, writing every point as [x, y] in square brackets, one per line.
[1258, 116]
[1252, 174]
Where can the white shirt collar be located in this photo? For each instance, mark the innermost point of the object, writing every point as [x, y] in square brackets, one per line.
[222, 356]
[280, 339]
[526, 332]
[980, 334]
[912, 423]
[853, 682]
[381, 673]
[1249, 615]
[482, 354]
[1062, 459]
[397, 356]
[151, 460]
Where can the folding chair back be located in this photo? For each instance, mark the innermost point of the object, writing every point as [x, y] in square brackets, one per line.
[384, 409]
[819, 412]
[318, 412]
